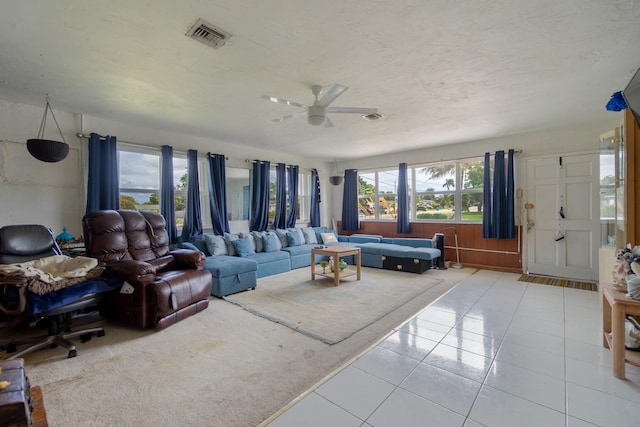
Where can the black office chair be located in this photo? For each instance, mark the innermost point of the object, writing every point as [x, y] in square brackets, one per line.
[22, 243]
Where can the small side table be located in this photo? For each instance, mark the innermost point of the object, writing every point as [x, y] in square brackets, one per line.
[615, 307]
[336, 252]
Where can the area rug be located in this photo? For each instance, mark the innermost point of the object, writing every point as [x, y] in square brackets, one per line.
[329, 313]
[554, 281]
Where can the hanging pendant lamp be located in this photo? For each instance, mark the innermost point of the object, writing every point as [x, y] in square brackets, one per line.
[48, 150]
[336, 179]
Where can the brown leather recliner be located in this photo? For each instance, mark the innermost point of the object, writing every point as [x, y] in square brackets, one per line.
[166, 285]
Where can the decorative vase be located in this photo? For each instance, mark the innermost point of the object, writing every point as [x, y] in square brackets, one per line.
[342, 265]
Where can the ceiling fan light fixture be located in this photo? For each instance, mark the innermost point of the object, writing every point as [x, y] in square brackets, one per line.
[316, 115]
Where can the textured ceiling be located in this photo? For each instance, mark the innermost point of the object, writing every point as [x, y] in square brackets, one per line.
[439, 71]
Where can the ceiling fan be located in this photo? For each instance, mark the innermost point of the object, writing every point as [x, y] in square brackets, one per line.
[317, 112]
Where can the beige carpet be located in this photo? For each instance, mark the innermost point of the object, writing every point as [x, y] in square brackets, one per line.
[317, 308]
[221, 367]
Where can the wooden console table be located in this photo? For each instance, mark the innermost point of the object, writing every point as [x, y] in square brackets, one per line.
[335, 252]
[615, 307]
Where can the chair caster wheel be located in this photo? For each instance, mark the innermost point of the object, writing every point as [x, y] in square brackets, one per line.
[101, 334]
[11, 348]
[84, 338]
[72, 353]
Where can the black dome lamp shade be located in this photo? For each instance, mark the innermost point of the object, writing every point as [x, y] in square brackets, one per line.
[48, 150]
[336, 179]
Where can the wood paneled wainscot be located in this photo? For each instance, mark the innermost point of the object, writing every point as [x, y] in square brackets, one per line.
[475, 251]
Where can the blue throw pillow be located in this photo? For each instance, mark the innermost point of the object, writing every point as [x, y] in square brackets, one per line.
[242, 246]
[190, 246]
[293, 238]
[271, 242]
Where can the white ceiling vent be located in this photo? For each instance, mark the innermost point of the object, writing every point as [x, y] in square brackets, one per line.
[208, 34]
[372, 117]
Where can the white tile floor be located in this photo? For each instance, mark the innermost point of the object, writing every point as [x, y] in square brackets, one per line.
[492, 352]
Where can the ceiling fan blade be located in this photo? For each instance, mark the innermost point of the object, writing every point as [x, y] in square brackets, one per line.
[328, 123]
[331, 95]
[283, 101]
[289, 116]
[354, 110]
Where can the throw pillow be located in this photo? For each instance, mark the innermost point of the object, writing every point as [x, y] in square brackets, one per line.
[293, 239]
[228, 238]
[309, 236]
[271, 242]
[216, 244]
[251, 240]
[257, 237]
[282, 235]
[328, 238]
[300, 233]
[242, 246]
[190, 246]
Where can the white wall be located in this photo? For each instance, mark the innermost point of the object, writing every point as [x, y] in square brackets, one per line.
[52, 194]
[570, 139]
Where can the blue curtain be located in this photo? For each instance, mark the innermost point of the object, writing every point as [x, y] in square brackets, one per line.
[314, 212]
[102, 183]
[510, 220]
[192, 215]
[501, 222]
[292, 183]
[499, 195]
[487, 230]
[259, 219]
[403, 224]
[280, 219]
[167, 199]
[218, 193]
[350, 219]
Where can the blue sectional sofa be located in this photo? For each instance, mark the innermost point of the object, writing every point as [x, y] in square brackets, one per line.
[237, 261]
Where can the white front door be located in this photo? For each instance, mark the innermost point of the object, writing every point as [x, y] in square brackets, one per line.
[556, 187]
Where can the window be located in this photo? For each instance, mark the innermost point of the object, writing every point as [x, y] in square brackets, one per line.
[450, 191]
[238, 195]
[139, 179]
[304, 195]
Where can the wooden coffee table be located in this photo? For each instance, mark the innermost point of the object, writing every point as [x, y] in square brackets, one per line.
[335, 252]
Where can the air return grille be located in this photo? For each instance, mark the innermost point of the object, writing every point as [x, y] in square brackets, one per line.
[372, 117]
[208, 34]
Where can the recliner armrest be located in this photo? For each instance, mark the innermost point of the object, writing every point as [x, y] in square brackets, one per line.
[134, 271]
[186, 258]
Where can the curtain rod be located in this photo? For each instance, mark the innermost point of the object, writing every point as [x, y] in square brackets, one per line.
[441, 160]
[102, 138]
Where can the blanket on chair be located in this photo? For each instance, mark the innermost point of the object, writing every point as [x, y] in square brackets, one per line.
[52, 273]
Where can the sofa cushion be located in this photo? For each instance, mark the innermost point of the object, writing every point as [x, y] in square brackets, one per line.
[200, 245]
[271, 242]
[228, 238]
[190, 246]
[282, 235]
[299, 250]
[293, 239]
[309, 236]
[216, 244]
[328, 237]
[223, 266]
[364, 238]
[300, 233]
[252, 241]
[242, 246]
[257, 237]
[267, 257]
